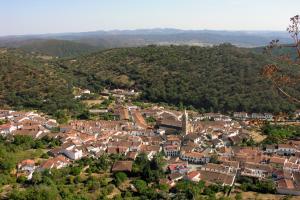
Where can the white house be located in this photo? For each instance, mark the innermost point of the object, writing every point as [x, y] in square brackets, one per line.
[160, 131]
[86, 91]
[256, 170]
[268, 116]
[6, 129]
[73, 153]
[27, 167]
[286, 149]
[171, 150]
[240, 115]
[194, 157]
[270, 149]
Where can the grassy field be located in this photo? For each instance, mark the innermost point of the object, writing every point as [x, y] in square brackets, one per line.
[29, 154]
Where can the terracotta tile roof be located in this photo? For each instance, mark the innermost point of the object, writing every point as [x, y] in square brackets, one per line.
[285, 184]
[27, 162]
[228, 163]
[122, 112]
[55, 162]
[224, 150]
[112, 150]
[173, 138]
[277, 160]
[175, 176]
[5, 126]
[32, 133]
[151, 148]
[215, 177]
[123, 150]
[293, 159]
[170, 122]
[125, 166]
[171, 148]
[286, 146]
[215, 167]
[194, 154]
[263, 167]
[139, 119]
[192, 174]
[177, 166]
[132, 155]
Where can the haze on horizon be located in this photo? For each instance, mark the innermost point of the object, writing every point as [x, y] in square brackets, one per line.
[19, 17]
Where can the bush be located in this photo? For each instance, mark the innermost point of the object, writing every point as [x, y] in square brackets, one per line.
[140, 185]
[75, 170]
[21, 179]
[120, 177]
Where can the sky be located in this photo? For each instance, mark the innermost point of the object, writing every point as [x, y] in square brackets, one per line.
[19, 17]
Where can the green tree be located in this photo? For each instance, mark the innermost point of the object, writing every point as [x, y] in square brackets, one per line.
[120, 177]
[140, 185]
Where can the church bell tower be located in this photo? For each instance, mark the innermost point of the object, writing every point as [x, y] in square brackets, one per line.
[185, 123]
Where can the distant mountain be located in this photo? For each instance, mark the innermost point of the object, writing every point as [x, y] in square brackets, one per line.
[143, 37]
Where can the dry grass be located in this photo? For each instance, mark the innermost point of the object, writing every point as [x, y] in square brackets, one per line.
[4, 191]
[257, 136]
[92, 102]
[114, 193]
[258, 196]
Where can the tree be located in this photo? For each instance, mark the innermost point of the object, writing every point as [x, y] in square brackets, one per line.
[61, 116]
[238, 196]
[92, 184]
[103, 162]
[36, 178]
[140, 163]
[75, 170]
[120, 177]
[41, 192]
[274, 72]
[214, 159]
[140, 185]
[164, 187]
[21, 179]
[84, 115]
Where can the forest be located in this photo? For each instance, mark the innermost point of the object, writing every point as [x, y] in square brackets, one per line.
[28, 82]
[222, 78]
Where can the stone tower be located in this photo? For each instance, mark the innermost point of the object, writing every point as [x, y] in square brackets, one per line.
[185, 123]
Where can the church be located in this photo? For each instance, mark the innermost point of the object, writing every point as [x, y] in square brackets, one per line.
[186, 125]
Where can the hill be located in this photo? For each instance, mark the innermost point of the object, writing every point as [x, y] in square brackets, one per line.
[59, 48]
[220, 78]
[285, 50]
[26, 81]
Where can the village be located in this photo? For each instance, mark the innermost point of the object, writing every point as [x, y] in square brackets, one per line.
[196, 147]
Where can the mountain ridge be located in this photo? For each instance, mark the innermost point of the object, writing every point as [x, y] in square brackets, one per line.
[143, 37]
